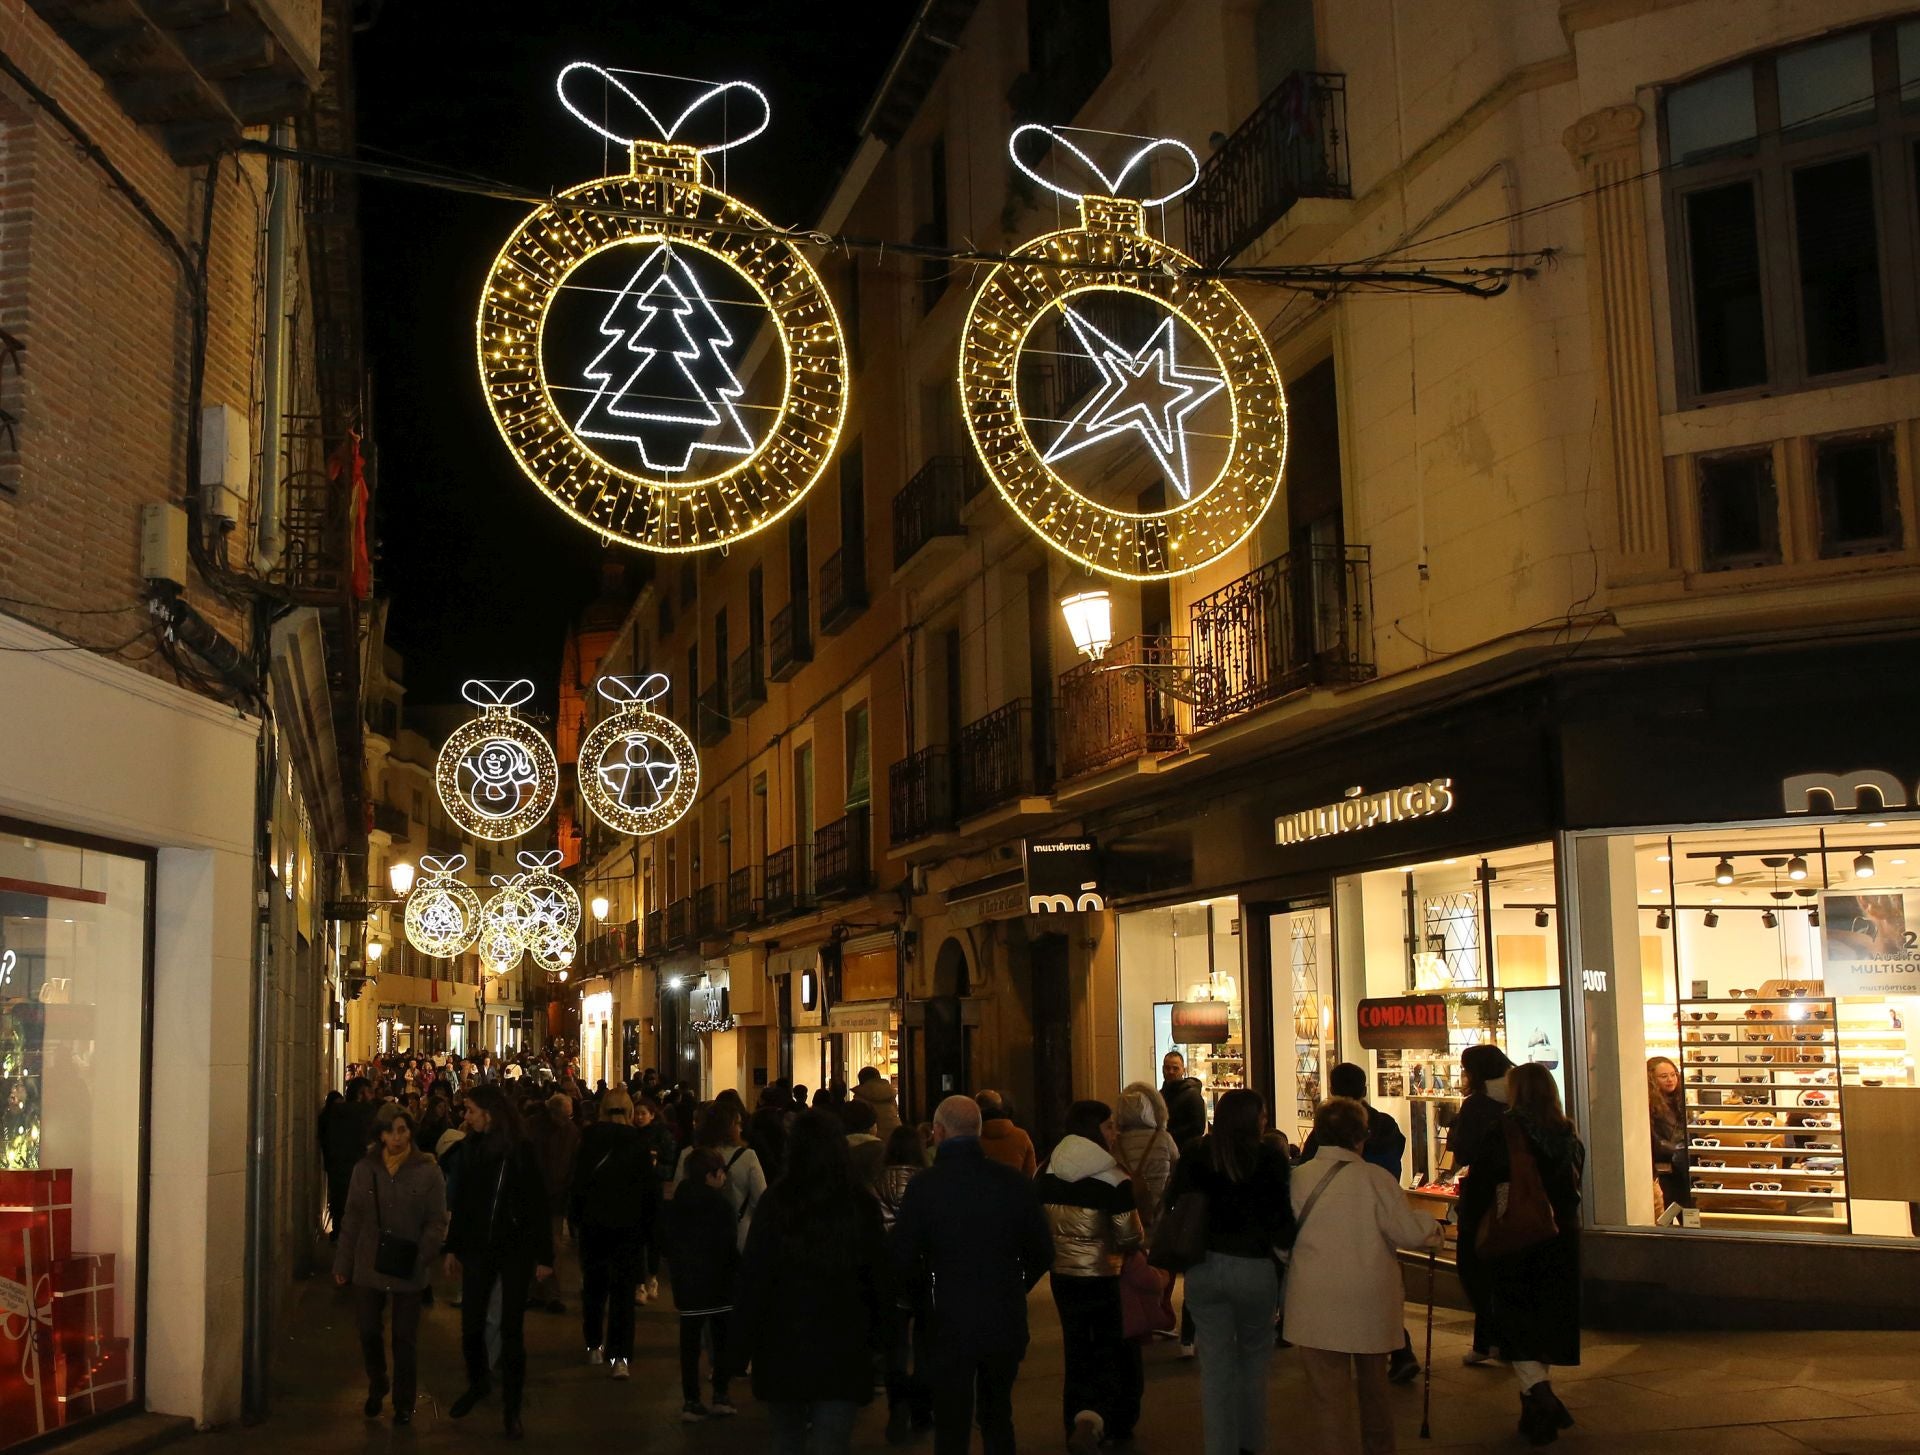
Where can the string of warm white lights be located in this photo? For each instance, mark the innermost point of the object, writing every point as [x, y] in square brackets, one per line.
[496, 775]
[443, 914]
[639, 771]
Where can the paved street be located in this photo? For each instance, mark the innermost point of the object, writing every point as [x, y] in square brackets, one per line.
[1756, 1394]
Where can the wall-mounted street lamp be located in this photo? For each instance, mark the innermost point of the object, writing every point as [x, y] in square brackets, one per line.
[1089, 615]
[374, 951]
[599, 906]
[400, 876]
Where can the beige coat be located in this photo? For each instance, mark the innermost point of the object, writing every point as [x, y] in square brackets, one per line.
[1147, 1155]
[1344, 1290]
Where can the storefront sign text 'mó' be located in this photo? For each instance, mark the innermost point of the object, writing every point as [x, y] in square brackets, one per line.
[1364, 810]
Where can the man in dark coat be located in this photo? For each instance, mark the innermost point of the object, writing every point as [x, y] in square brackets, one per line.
[346, 1131]
[1186, 1101]
[972, 1229]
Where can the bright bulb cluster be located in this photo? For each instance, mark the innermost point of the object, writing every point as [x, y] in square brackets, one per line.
[1211, 517]
[665, 205]
[496, 776]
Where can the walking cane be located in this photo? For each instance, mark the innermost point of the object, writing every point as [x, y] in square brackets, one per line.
[1426, 1393]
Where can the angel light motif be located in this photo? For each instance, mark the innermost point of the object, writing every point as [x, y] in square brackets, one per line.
[637, 777]
[638, 769]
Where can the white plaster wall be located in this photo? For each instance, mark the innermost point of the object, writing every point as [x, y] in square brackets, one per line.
[94, 747]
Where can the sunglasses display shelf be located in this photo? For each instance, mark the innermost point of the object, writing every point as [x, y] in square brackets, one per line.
[1761, 1082]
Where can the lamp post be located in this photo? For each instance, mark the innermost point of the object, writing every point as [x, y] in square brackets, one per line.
[1089, 616]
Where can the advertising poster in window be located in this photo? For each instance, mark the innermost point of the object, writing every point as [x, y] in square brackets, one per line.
[1533, 1031]
[1867, 943]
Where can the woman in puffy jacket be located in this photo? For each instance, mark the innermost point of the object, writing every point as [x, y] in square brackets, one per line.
[1090, 1211]
[396, 1189]
[1145, 1151]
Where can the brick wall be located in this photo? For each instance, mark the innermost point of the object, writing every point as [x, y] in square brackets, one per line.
[102, 393]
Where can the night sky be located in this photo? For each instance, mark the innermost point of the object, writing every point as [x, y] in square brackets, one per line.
[485, 574]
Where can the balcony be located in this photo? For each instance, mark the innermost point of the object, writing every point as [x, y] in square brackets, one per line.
[742, 903]
[710, 711]
[843, 589]
[610, 948]
[654, 938]
[1294, 145]
[840, 858]
[1299, 621]
[1000, 760]
[747, 681]
[920, 795]
[788, 882]
[1107, 719]
[707, 903]
[680, 930]
[789, 640]
[927, 509]
[391, 821]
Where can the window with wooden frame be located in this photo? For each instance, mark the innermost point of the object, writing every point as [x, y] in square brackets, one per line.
[1791, 196]
[1739, 511]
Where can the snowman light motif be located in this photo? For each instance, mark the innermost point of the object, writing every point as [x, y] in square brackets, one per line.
[639, 771]
[496, 775]
[443, 914]
[616, 317]
[1126, 406]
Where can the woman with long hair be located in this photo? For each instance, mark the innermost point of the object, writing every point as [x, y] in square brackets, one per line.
[395, 1190]
[1145, 1150]
[1232, 1292]
[1534, 1294]
[815, 1261]
[720, 1131]
[1090, 1211]
[501, 1234]
[1667, 1114]
[1483, 1075]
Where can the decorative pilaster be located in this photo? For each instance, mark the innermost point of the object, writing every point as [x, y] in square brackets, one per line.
[1605, 145]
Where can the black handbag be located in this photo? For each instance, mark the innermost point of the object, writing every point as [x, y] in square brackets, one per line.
[1180, 1237]
[393, 1256]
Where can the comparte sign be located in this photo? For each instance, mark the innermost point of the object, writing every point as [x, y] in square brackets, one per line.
[1403, 1023]
[1365, 810]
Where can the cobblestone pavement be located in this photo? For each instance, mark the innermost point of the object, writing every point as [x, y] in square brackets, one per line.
[1749, 1394]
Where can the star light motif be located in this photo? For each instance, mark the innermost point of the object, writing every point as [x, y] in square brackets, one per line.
[1143, 389]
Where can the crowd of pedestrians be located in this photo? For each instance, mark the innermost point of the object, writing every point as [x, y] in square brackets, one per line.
[818, 1248]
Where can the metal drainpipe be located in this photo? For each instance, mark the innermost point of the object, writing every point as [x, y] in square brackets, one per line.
[273, 385]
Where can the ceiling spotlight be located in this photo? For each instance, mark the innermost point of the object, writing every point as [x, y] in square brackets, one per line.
[1712, 921]
[1769, 920]
[1813, 915]
[1796, 867]
[1723, 872]
[1863, 866]
[1540, 918]
[1662, 920]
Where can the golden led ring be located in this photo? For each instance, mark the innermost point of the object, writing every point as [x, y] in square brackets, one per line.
[664, 200]
[1016, 297]
[442, 918]
[636, 723]
[514, 775]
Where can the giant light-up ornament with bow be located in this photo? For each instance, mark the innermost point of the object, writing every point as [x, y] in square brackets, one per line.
[639, 771]
[556, 910]
[496, 775]
[443, 914]
[1178, 381]
[633, 418]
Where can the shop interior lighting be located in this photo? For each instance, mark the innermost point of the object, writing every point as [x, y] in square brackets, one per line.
[400, 877]
[1540, 918]
[1663, 920]
[1712, 920]
[1813, 916]
[1863, 866]
[1769, 919]
[1796, 868]
[1723, 872]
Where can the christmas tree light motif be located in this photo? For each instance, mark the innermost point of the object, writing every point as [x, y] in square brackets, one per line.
[665, 342]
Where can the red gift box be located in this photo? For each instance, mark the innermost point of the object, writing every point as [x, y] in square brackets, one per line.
[39, 1199]
[27, 1406]
[82, 1304]
[93, 1386]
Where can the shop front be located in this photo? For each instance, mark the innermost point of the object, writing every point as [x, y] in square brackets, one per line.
[864, 1014]
[597, 1043]
[806, 1015]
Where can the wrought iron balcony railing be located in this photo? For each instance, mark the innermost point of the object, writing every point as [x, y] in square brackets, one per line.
[920, 795]
[840, 859]
[747, 681]
[743, 904]
[392, 820]
[1107, 718]
[928, 506]
[999, 760]
[706, 908]
[611, 947]
[680, 929]
[789, 640]
[654, 937]
[1294, 145]
[1299, 620]
[787, 883]
[843, 588]
[711, 712]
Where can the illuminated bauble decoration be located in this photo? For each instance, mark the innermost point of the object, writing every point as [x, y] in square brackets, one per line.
[616, 322]
[555, 904]
[443, 915]
[639, 771]
[1167, 380]
[552, 954]
[496, 775]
